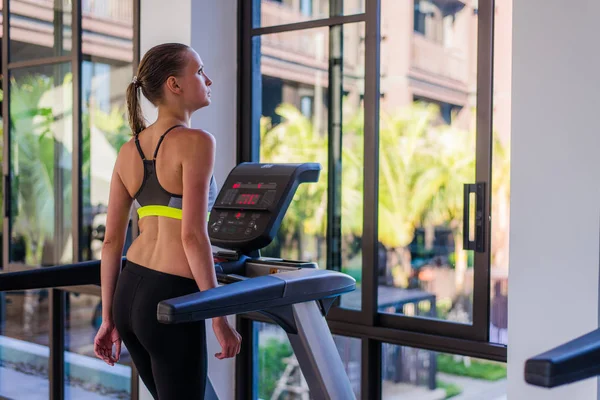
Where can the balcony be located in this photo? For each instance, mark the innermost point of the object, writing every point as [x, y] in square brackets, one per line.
[302, 56]
[438, 62]
[107, 26]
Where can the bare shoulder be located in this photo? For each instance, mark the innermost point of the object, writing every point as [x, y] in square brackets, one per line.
[125, 152]
[193, 141]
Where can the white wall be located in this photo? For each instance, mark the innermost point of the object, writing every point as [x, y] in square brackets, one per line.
[555, 195]
[210, 27]
[214, 36]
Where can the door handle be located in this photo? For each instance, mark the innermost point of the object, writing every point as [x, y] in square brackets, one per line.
[478, 243]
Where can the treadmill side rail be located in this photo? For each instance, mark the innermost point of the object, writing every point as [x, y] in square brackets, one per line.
[255, 294]
[242, 296]
[573, 361]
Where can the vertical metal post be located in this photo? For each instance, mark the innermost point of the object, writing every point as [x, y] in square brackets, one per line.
[135, 377]
[371, 349]
[246, 364]
[334, 131]
[56, 373]
[6, 203]
[485, 73]
[370, 386]
[249, 89]
[370, 239]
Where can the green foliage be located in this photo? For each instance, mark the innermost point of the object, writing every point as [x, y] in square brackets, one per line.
[35, 152]
[450, 388]
[487, 370]
[271, 366]
[114, 125]
[423, 165]
[41, 132]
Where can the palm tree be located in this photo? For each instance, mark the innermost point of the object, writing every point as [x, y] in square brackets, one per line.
[296, 140]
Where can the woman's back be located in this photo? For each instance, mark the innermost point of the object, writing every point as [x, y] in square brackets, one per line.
[159, 245]
[166, 172]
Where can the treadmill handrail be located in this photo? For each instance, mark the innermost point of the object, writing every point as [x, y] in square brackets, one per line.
[255, 294]
[81, 273]
[570, 362]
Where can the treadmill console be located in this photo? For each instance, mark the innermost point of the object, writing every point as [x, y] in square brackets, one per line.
[252, 202]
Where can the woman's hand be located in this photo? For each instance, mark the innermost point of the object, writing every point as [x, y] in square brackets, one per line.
[228, 338]
[106, 337]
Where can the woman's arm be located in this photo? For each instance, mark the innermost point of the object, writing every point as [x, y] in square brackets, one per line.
[197, 169]
[119, 207]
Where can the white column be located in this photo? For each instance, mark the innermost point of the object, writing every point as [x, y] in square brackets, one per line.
[214, 37]
[555, 188]
[210, 27]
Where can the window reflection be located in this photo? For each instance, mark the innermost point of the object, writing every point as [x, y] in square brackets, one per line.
[24, 337]
[86, 376]
[105, 130]
[40, 29]
[41, 106]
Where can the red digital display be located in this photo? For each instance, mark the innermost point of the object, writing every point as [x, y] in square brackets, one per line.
[247, 199]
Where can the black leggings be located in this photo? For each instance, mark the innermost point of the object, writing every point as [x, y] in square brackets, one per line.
[171, 359]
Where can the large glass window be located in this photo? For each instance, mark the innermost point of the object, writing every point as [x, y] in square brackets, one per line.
[41, 112]
[105, 130]
[301, 108]
[43, 73]
[413, 146]
[294, 66]
[40, 29]
[425, 159]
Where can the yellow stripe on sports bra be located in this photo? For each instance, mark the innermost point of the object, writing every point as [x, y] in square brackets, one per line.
[162, 211]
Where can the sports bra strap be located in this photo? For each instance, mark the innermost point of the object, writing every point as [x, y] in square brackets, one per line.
[161, 139]
[137, 144]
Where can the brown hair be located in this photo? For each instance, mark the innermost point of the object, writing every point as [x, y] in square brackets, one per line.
[157, 65]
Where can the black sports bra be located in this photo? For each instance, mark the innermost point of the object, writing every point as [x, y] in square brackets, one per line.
[152, 198]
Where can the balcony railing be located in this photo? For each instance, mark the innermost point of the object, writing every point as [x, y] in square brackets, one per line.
[111, 10]
[433, 58]
[274, 13]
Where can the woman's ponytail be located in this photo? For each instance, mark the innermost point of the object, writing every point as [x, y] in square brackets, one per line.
[134, 109]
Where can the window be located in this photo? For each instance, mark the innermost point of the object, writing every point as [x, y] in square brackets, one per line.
[428, 20]
[404, 184]
[66, 84]
[306, 106]
[306, 7]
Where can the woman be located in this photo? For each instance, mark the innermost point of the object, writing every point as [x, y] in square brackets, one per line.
[173, 191]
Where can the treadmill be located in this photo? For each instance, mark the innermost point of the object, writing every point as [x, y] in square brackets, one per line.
[296, 295]
[570, 362]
